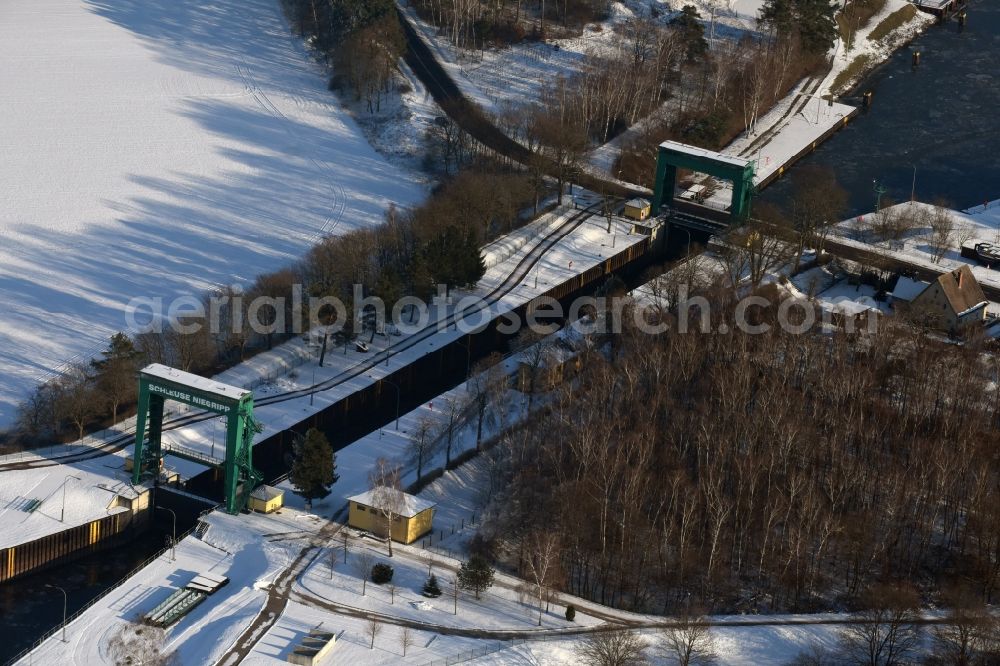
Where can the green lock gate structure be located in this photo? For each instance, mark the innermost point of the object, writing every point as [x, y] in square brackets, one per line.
[159, 383]
[673, 155]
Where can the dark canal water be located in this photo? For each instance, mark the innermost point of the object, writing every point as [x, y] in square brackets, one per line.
[28, 608]
[942, 117]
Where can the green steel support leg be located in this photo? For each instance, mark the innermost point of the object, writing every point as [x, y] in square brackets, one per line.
[234, 437]
[140, 435]
[154, 452]
[739, 206]
[661, 188]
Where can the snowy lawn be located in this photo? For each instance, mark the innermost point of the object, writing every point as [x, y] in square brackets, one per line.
[981, 223]
[233, 547]
[156, 148]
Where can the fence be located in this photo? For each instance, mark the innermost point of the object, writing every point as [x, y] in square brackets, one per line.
[69, 620]
[495, 646]
[281, 368]
[56, 451]
[475, 653]
[427, 543]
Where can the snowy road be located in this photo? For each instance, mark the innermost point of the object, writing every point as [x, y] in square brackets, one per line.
[155, 148]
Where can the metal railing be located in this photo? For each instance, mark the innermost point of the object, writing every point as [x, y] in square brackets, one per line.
[475, 653]
[69, 620]
[56, 451]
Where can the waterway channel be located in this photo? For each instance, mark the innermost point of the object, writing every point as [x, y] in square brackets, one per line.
[941, 118]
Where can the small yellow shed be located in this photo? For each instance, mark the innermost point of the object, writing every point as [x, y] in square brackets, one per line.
[266, 499]
[412, 517]
[637, 209]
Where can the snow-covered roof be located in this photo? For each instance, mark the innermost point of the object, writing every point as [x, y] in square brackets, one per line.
[693, 151]
[266, 493]
[848, 306]
[196, 382]
[973, 308]
[637, 203]
[91, 488]
[411, 505]
[907, 289]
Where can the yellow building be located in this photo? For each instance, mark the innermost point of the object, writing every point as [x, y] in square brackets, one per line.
[412, 517]
[637, 209]
[266, 499]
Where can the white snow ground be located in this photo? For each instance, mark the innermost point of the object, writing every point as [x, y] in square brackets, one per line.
[156, 148]
[981, 223]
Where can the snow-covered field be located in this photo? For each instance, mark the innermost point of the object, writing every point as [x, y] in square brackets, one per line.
[252, 550]
[154, 148]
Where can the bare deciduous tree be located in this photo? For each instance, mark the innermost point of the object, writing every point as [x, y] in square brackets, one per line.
[423, 444]
[388, 500]
[362, 563]
[373, 627]
[406, 638]
[612, 648]
[941, 237]
[885, 632]
[139, 644]
[542, 564]
[689, 641]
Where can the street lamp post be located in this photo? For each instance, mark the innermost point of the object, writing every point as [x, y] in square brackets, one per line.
[173, 539]
[62, 512]
[65, 604]
[468, 354]
[395, 386]
[913, 187]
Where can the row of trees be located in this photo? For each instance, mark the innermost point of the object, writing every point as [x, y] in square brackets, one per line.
[408, 254]
[362, 39]
[935, 225]
[728, 88]
[887, 632]
[477, 23]
[763, 472]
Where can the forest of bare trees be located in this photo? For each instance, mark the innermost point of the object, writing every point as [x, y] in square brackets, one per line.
[763, 472]
[477, 23]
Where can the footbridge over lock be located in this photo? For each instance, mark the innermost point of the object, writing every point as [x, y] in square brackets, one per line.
[158, 384]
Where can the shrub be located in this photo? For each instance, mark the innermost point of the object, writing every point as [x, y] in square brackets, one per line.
[856, 16]
[570, 612]
[853, 71]
[381, 573]
[892, 22]
[431, 588]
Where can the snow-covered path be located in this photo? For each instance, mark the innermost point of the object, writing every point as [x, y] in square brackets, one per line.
[155, 148]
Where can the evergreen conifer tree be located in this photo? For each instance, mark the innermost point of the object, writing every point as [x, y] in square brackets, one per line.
[314, 470]
[476, 575]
